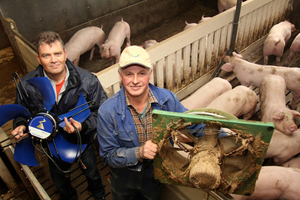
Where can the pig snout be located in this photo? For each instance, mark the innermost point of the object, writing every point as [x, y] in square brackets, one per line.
[292, 128]
[105, 51]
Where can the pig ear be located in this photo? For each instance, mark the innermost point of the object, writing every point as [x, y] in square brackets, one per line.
[279, 115]
[295, 113]
[228, 67]
[237, 55]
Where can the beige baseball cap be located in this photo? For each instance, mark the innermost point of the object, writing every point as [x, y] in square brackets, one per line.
[135, 55]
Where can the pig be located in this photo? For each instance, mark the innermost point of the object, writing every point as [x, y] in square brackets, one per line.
[239, 101]
[112, 46]
[293, 162]
[203, 19]
[189, 25]
[282, 147]
[226, 4]
[149, 43]
[209, 92]
[251, 74]
[275, 182]
[276, 40]
[83, 41]
[295, 47]
[273, 106]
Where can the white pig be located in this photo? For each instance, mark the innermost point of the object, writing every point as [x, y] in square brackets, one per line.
[203, 19]
[189, 25]
[239, 101]
[273, 106]
[149, 43]
[275, 182]
[295, 47]
[282, 147]
[294, 162]
[207, 93]
[112, 46]
[275, 42]
[251, 74]
[83, 41]
[226, 4]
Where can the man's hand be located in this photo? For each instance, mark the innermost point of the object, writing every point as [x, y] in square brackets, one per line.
[69, 125]
[19, 132]
[148, 150]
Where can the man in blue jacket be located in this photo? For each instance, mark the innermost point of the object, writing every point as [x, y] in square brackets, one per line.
[124, 127]
[68, 82]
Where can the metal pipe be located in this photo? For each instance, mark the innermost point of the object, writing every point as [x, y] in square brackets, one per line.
[233, 35]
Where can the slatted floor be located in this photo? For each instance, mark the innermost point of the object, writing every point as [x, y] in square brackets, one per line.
[78, 179]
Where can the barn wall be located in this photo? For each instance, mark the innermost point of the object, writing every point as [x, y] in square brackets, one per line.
[68, 16]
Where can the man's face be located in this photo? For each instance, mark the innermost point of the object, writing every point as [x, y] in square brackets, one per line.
[135, 79]
[52, 58]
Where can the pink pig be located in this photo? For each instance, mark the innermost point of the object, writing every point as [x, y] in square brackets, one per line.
[149, 43]
[203, 19]
[83, 41]
[112, 46]
[226, 4]
[189, 25]
[275, 42]
[252, 74]
[282, 147]
[295, 47]
[210, 90]
[293, 162]
[275, 182]
[239, 101]
[272, 104]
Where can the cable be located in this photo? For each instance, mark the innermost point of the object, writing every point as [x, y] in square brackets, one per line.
[79, 148]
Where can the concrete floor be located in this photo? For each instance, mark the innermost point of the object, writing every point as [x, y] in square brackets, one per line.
[8, 65]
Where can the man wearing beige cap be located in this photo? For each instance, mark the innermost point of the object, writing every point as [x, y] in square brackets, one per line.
[124, 127]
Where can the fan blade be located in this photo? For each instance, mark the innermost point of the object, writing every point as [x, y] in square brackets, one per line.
[67, 151]
[46, 89]
[80, 117]
[24, 153]
[12, 111]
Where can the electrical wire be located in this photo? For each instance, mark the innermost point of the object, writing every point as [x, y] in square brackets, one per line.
[78, 153]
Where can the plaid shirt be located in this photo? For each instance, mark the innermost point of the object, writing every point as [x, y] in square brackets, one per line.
[143, 126]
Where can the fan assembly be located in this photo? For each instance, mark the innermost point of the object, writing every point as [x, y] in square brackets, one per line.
[43, 125]
[228, 164]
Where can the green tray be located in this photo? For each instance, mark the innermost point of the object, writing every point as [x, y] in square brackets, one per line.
[261, 131]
